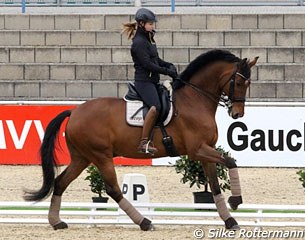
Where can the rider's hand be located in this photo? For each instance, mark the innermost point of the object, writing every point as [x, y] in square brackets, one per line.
[172, 73]
[173, 68]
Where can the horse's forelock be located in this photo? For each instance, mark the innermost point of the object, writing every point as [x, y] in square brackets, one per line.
[245, 68]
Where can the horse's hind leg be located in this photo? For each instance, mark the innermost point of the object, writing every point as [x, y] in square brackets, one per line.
[77, 165]
[107, 170]
[211, 172]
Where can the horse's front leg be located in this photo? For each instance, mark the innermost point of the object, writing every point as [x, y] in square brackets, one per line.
[211, 173]
[207, 153]
[209, 157]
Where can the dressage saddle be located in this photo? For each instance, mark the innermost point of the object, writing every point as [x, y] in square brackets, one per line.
[132, 95]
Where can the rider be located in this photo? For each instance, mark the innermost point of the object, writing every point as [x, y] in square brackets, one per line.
[148, 67]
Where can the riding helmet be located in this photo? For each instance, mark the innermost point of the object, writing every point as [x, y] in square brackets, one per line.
[145, 15]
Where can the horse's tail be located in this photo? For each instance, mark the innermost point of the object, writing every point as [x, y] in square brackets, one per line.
[48, 159]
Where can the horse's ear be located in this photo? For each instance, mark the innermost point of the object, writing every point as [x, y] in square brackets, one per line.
[253, 62]
[243, 61]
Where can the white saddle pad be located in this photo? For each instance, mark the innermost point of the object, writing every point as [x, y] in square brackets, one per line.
[137, 120]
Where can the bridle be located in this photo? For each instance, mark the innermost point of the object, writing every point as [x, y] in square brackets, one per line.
[224, 101]
[232, 88]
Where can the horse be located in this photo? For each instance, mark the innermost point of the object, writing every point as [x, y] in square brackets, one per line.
[96, 131]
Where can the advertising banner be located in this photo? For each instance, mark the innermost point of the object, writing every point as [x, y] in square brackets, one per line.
[22, 130]
[272, 136]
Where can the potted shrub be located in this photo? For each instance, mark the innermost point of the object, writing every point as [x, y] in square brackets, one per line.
[301, 173]
[97, 184]
[192, 172]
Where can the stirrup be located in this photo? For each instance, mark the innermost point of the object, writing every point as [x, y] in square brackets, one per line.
[150, 149]
[147, 148]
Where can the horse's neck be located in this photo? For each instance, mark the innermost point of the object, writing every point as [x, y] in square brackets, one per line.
[195, 102]
[212, 79]
[208, 80]
[204, 99]
[208, 84]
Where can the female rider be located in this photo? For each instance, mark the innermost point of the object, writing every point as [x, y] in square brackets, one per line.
[148, 67]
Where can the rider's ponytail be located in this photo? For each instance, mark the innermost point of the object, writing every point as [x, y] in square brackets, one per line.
[129, 29]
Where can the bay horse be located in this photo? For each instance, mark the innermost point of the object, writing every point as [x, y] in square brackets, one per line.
[97, 131]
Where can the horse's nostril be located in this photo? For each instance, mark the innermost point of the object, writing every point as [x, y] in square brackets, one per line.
[236, 115]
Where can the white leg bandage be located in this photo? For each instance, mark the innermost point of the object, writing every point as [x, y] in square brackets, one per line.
[53, 216]
[234, 180]
[222, 207]
[130, 210]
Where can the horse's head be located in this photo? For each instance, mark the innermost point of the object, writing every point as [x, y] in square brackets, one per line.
[219, 72]
[236, 87]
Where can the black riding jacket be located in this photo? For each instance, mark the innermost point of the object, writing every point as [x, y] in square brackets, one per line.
[148, 66]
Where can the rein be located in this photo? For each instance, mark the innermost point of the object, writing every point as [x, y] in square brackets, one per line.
[204, 93]
[224, 101]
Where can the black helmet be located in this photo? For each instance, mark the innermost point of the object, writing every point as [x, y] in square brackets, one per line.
[145, 15]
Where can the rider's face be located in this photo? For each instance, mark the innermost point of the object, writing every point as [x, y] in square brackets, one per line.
[149, 26]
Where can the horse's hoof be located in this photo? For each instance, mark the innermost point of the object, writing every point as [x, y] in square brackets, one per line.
[231, 224]
[61, 225]
[235, 228]
[234, 201]
[146, 225]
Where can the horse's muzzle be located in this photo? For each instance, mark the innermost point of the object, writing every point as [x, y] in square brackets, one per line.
[234, 114]
[237, 115]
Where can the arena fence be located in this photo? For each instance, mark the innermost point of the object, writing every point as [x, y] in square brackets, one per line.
[154, 2]
[225, 2]
[255, 215]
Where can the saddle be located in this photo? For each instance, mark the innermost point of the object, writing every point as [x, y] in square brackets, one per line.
[136, 109]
